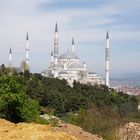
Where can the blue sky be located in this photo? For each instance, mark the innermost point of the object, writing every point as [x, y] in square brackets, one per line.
[86, 20]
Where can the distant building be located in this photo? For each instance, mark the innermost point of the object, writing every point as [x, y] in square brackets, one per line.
[68, 66]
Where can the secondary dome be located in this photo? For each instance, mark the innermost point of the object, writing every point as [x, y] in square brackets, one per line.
[75, 65]
[68, 55]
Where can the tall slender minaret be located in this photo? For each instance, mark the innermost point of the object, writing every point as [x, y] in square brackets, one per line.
[73, 47]
[10, 58]
[55, 53]
[27, 52]
[56, 45]
[107, 60]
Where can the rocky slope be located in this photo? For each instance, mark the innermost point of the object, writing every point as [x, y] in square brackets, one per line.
[24, 131]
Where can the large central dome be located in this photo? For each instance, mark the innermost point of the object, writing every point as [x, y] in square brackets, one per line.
[68, 55]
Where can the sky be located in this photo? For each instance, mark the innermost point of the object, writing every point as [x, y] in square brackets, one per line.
[85, 20]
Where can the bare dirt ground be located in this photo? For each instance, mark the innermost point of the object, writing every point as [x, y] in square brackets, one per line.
[24, 131]
[130, 131]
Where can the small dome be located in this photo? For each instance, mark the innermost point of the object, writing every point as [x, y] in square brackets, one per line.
[68, 55]
[75, 65]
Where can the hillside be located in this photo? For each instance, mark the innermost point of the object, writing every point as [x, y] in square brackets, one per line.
[24, 131]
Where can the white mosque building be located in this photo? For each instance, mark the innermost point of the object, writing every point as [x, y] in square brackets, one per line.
[68, 66]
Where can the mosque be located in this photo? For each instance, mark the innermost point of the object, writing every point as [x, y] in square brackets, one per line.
[68, 66]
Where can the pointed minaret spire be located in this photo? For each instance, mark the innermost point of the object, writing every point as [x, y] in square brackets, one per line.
[10, 50]
[107, 60]
[73, 41]
[73, 47]
[27, 52]
[27, 37]
[107, 35]
[56, 28]
[10, 58]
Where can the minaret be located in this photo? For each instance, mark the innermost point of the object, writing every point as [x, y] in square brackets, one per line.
[107, 60]
[10, 58]
[73, 47]
[56, 45]
[27, 52]
[55, 53]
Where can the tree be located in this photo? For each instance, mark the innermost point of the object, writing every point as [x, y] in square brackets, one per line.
[55, 100]
[30, 110]
[15, 104]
